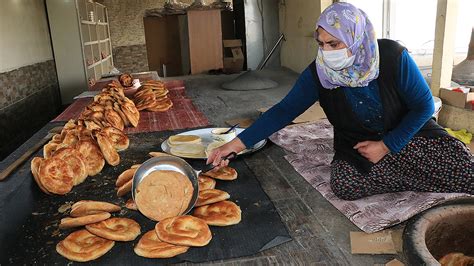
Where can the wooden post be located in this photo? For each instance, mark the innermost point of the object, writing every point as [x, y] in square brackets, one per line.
[324, 4]
[444, 44]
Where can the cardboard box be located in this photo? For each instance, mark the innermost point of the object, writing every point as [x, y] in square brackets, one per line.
[456, 98]
[375, 243]
[234, 63]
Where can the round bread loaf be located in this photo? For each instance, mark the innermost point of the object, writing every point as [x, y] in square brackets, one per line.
[105, 144]
[124, 177]
[69, 222]
[163, 194]
[119, 140]
[209, 196]
[206, 182]
[93, 158]
[56, 176]
[224, 173]
[75, 160]
[184, 231]
[118, 229]
[87, 207]
[83, 246]
[219, 214]
[35, 164]
[150, 246]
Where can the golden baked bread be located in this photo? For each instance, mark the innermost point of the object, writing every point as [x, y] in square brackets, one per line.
[75, 160]
[70, 222]
[223, 173]
[105, 144]
[119, 111]
[456, 259]
[161, 93]
[158, 154]
[154, 83]
[124, 177]
[135, 166]
[206, 182]
[114, 119]
[161, 105]
[83, 246]
[119, 140]
[91, 125]
[184, 231]
[118, 229]
[126, 80]
[87, 207]
[183, 139]
[188, 150]
[209, 196]
[49, 149]
[56, 176]
[71, 137]
[35, 164]
[130, 204]
[130, 110]
[219, 214]
[125, 188]
[163, 194]
[150, 246]
[93, 158]
[56, 139]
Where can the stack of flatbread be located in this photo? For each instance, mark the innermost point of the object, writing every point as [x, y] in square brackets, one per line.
[186, 146]
[100, 233]
[152, 96]
[84, 145]
[110, 108]
[165, 195]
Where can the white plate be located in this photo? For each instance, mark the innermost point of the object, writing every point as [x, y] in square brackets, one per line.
[206, 138]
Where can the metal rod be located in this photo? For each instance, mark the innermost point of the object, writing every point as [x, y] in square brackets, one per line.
[262, 65]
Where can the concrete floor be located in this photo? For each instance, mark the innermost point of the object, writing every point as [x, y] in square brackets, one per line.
[221, 105]
[320, 232]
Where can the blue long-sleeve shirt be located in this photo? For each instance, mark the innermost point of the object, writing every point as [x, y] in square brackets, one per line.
[365, 102]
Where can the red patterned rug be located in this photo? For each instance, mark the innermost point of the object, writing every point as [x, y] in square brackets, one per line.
[183, 114]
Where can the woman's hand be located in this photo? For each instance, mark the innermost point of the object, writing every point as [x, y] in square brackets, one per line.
[215, 157]
[374, 151]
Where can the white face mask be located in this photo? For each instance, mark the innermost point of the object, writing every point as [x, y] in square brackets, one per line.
[337, 59]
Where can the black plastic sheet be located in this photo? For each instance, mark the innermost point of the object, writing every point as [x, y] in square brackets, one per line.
[29, 225]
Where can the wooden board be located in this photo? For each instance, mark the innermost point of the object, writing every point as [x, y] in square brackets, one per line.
[205, 40]
[163, 47]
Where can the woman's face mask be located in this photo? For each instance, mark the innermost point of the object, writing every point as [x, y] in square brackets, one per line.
[337, 59]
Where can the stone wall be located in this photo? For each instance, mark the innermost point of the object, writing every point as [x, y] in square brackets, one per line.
[127, 32]
[131, 58]
[29, 98]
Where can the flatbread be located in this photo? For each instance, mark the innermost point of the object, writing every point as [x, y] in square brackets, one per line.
[183, 139]
[163, 194]
[188, 150]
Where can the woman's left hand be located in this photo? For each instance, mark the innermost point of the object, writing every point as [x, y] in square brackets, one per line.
[374, 151]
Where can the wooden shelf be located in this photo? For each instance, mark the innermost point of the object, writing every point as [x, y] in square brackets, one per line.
[88, 22]
[95, 36]
[99, 62]
[90, 43]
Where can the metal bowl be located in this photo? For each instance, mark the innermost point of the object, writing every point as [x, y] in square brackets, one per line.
[171, 163]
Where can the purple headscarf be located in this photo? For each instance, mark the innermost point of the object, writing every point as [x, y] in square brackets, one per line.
[350, 25]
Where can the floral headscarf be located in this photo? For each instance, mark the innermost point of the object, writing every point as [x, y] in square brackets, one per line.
[350, 25]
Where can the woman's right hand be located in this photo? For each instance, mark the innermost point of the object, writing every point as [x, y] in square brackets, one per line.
[215, 156]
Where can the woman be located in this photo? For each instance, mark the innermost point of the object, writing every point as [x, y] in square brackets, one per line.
[380, 106]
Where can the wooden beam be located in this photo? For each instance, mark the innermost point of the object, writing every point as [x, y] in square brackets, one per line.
[443, 53]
